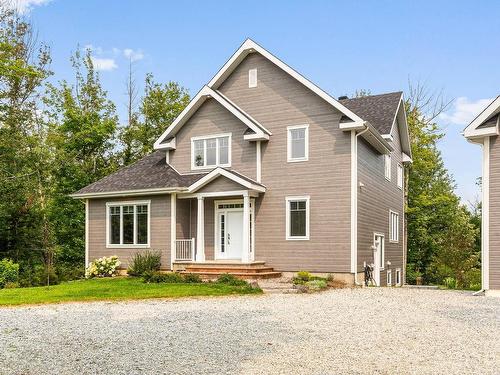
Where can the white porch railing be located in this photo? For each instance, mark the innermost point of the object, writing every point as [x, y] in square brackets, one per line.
[184, 250]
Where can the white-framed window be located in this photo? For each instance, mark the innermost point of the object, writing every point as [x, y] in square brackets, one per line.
[298, 143]
[389, 277]
[387, 166]
[128, 224]
[400, 176]
[252, 78]
[393, 226]
[211, 151]
[297, 218]
[398, 276]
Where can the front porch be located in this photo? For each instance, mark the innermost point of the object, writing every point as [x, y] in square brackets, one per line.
[213, 228]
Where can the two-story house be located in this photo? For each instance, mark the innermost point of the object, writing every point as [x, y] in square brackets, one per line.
[484, 130]
[264, 170]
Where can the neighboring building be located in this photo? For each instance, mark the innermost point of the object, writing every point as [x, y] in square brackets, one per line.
[263, 165]
[484, 130]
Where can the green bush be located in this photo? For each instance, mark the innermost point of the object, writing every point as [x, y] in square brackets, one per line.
[10, 285]
[228, 279]
[450, 283]
[412, 274]
[37, 276]
[9, 272]
[159, 277]
[103, 267]
[68, 272]
[144, 261]
[192, 278]
[316, 284]
[473, 279]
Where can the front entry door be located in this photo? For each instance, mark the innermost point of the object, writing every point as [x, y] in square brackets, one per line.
[378, 257]
[234, 235]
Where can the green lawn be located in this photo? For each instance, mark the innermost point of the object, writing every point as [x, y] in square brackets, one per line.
[114, 289]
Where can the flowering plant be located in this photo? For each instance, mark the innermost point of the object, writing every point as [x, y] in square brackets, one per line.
[103, 267]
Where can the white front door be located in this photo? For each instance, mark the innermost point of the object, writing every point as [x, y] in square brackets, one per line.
[234, 235]
[378, 257]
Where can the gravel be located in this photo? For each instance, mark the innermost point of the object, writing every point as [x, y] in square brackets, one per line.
[355, 331]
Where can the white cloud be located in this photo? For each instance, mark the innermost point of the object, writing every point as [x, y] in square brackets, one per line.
[23, 6]
[104, 64]
[133, 55]
[464, 110]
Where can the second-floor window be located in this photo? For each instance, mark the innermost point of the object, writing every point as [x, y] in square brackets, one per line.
[211, 151]
[400, 176]
[393, 226]
[298, 143]
[387, 166]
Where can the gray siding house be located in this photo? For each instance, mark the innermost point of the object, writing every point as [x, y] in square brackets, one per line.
[484, 130]
[264, 168]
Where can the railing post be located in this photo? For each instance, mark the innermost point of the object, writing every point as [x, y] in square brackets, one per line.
[193, 248]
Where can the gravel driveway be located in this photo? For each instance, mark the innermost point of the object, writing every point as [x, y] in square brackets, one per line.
[361, 331]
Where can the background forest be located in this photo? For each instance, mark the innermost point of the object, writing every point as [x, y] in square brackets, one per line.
[56, 138]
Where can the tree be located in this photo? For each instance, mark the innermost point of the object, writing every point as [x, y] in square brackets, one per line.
[160, 105]
[24, 181]
[433, 208]
[83, 126]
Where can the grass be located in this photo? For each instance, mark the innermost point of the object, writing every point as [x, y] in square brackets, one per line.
[114, 289]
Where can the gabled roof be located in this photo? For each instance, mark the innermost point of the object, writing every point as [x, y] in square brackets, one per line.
[249, 46]
[150, 174]
[487, 123]
[232, 175]
[204, 94]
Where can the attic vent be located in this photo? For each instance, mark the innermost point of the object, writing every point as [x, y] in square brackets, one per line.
[343, 97]
[252, 78]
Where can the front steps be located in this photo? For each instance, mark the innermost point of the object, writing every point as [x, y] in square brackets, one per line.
[212, 270]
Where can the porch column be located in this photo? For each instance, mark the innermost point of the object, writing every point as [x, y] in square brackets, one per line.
[245, 257]
[200, 232]
[173, 228]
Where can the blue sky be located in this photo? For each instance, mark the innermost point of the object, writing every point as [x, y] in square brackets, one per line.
[450, 46]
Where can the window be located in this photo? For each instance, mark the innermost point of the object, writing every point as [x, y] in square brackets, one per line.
[212, 151]
[389, 277]
[298, 143]
[387, 166]
[297, 218]
[394, 227]
[400, 176]
[252, 78]
[128, 224]
[398, 277]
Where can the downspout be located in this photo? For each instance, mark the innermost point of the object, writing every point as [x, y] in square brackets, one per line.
[354, 202]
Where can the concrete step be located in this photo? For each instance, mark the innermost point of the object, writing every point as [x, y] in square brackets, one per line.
[210, 275]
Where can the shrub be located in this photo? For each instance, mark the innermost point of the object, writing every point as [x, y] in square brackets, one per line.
[450, 282]
[68, 272]
[103, 267]
[192, 278]
[316, 284]
[303, 277]
[473, 279]
[412, 274]
[229, 279]
[159, 277]
[144, 261]
[9, 272]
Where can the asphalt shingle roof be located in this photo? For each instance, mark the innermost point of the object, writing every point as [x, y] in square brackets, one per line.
[378, 110]
[150, 172]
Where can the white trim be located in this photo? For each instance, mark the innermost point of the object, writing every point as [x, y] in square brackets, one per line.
[205, 93]
[256, 137]
[389, 277]
[288, 199]
[382, 260]
[391, 232]
[246, 246]
[128, 193]
[492, 109]
[217, 156]
[249, 46]
[173, 229]
[121, 245]
[223, 172]
[485, 221]
[171, 145]
[252, 78]
[400, 176]
[259, 161]
[220, 194]
[87, 233]
[354, 201]
[407, 158]
[289, 157]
